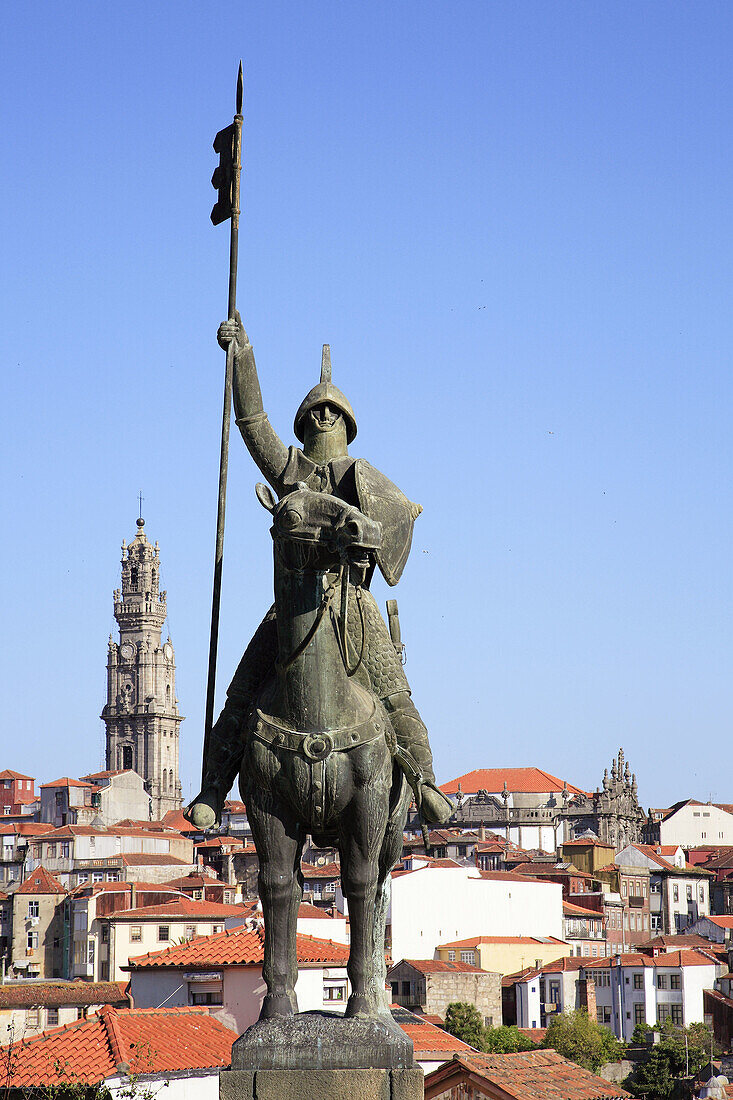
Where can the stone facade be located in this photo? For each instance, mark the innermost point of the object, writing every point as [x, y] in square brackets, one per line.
[613, 813]
[543, 817]
[141, 713]
[429, 986]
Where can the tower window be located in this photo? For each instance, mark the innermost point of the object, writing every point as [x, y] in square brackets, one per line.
[133, 577]
[126, 757]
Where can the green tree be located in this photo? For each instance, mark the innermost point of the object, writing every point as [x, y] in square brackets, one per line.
[582, 1040]
[652, 1078]
[505, 1040]
[464, 1021]
[680, 1053]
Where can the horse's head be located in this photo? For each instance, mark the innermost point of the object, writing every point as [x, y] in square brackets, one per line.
[319, 519]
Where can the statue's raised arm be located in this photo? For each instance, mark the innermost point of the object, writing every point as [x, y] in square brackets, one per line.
[263, 442]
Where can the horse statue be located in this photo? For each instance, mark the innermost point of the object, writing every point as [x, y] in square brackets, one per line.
[320, 754]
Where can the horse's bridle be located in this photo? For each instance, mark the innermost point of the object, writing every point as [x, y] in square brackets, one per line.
[339, 620]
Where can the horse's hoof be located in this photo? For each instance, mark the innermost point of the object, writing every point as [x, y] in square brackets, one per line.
[359, 1005]
[276, 1004]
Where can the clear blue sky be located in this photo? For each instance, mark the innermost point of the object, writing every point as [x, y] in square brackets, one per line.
[512, 222]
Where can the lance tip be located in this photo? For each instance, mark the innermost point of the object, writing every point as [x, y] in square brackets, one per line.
[240, 89]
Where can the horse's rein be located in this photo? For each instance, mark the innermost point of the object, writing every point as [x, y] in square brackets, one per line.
[339, 623]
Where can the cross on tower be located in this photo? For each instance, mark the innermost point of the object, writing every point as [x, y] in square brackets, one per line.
[140, 498]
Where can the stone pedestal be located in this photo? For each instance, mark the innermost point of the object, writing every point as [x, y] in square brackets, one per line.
[321, 1084]
[322, 1056]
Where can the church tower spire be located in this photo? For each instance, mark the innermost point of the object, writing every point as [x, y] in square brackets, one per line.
[141, 713]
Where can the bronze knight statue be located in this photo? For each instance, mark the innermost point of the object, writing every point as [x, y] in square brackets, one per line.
[325, 425]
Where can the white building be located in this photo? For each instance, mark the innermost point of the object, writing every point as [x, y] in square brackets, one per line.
[101, 951]
[528, 799]
[224, 972]
[692, 824]
[624, 990]
[103, 798]
[77, 854]
[434, 905]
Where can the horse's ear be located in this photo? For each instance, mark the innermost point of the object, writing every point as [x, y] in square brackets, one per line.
[265, 496]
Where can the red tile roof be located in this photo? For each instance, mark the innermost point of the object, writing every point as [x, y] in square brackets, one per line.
[148, 1040]
[10, 774]
[41, 881]
[198, 880]
[325, 870]
[181, 908]
[238, 947]
[530, 1075]
[64, 782]
[431, 1043]
[570, 910]
[312, 912]
[105, 775]
[54, 994]
[437, 966]
[524, 780]
[721, 922]
[474, 941]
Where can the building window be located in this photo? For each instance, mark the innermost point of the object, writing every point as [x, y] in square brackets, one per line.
[662, 981]
[638, 982]
[32, 908]
[136, 933]
[662, 1013]
[603, 977]
[190, 931]
[217, 928]
[126, 758]
[675, 893]
[32, 941]
[65, 849]
[701, 895]
[205, 997]
[675, 981]
[98, 876]
[603, 1014]
[689, 893]
[677, 1016]
[451, 956]
[164, 932]
[52, 1017]
[468, 957]
[334, 992]
[105, 933]
[33, 1016]
[639, 1012]
[198, 895]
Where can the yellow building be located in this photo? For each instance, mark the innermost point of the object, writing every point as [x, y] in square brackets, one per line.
[504, 954]
[588, 855]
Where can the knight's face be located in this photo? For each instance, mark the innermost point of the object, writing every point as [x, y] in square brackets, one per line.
[324, 433]
[325, 418]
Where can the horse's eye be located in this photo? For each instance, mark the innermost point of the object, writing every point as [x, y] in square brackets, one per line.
[291, 518]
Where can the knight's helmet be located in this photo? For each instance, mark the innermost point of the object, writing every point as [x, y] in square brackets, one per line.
[325, 393]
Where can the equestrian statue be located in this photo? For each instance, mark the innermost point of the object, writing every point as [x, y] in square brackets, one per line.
[319, 721]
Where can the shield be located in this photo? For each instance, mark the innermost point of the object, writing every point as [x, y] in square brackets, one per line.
[381, 500]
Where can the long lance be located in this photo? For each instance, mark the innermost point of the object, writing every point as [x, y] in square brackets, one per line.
[228, 143]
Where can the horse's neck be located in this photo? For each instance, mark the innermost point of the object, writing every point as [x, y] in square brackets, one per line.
[315, 691]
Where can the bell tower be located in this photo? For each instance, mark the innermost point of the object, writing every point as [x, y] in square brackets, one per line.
[141, 713]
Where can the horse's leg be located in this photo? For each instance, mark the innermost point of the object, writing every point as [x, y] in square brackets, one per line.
[389, 855]
[279, 841]
[359, 844]
[296, 897]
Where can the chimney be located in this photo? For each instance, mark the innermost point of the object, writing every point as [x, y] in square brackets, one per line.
[587, 995]
[133, 896]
